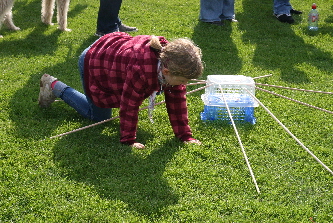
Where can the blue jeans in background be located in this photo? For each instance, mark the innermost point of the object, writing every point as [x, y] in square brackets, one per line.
[282, 7]
[108, 20]
[80, 102]
[216, 10]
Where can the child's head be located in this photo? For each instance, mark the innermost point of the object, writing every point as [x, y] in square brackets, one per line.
[182, 58]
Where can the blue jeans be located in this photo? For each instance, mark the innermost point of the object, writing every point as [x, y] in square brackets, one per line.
[282, 7]
[108, 20]
[216, 10]
[80, 102]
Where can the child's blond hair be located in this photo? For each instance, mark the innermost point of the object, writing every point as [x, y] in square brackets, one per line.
[181, 57]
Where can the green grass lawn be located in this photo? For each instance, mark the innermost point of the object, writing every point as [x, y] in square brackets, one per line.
[88, 176]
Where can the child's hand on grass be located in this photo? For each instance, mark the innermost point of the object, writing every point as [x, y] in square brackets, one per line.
[194, 141]
[138, 145]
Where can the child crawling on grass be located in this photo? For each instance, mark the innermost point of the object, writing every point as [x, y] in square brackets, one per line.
[120, 71]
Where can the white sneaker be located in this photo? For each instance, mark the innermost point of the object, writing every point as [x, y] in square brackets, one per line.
[46, 97]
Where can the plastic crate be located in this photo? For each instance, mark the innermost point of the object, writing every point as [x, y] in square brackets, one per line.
[232, 99]
[239, 114]
[235, 89]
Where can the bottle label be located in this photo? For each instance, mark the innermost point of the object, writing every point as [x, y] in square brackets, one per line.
[314, 18]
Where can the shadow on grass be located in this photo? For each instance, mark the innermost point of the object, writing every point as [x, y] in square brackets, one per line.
[277, 47]
[220, 53]
[37, 123]
[96, 158]
[27, 45]
[30, 120]
[24, 20]
[93, 156]
[327, 27]
[116, 172]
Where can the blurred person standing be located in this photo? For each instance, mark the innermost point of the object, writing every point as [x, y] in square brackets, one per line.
[216, 11]
[283, 11]
[108, 20]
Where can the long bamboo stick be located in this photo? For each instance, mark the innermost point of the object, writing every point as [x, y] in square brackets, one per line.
[195, 83]
[116, 117]
[291, 134]
[297, 101]
[240, 142]
[296, 89]
[268, 75]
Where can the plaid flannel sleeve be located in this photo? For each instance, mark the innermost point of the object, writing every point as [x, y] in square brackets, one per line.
[131, 100]
[175, 98]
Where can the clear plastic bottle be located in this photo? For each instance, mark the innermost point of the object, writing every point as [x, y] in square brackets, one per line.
[313, 18]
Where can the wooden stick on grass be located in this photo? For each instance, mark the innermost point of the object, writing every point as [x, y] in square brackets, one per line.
[292, 135]
[311, 106]
[240, 142]
[296, 89]
[268, 75]
[116, 117]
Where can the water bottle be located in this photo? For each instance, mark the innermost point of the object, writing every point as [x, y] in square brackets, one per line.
[313, 18]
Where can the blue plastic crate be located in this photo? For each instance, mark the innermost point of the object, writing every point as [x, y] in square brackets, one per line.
[231, 99]
[239, 114]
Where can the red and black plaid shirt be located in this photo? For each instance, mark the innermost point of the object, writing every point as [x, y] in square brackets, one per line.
[120, 72]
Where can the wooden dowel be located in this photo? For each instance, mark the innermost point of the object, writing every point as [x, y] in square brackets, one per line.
[296, 89]
[292, 135]
[116, 117]
[268, 75]
[240, 142]
[303, 103]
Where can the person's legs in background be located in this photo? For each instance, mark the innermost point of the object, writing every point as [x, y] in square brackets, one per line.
[282, 7]
[228, 11]
[210, 11]
[108, 20]
[282, 10]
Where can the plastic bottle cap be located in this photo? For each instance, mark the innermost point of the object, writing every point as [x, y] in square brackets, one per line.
[314, 6]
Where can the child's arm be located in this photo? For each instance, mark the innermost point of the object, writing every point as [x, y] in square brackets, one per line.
[131, 99]
[175, 98]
